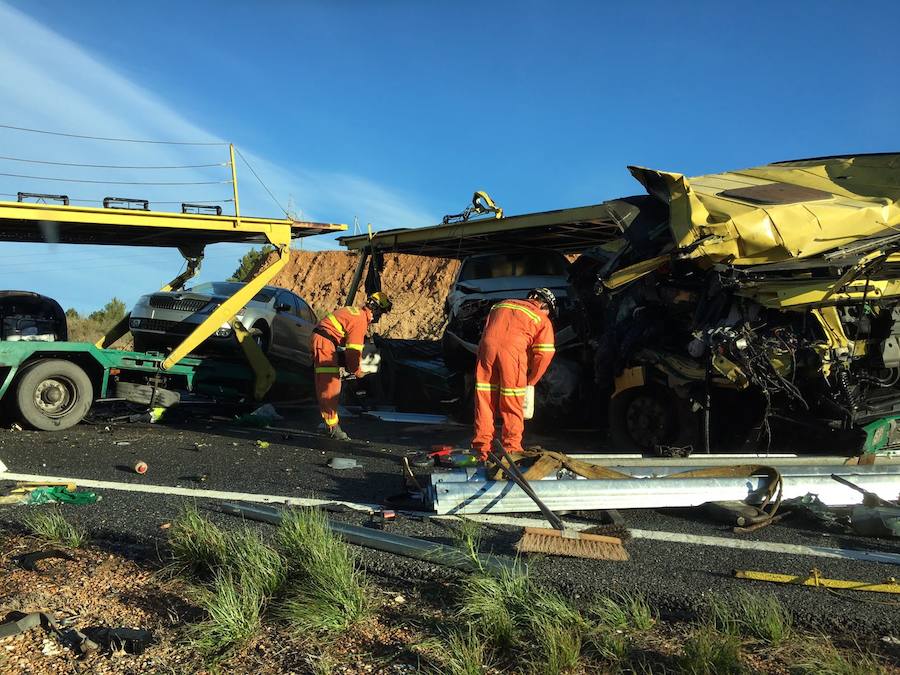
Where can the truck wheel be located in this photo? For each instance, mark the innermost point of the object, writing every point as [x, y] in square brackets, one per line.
[646, 417]
[54, 395]
[141, 393]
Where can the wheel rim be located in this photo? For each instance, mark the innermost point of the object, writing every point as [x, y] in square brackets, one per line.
[56, 396]
[647, 421]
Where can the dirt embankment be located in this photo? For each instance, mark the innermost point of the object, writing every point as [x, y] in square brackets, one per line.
[417, 285]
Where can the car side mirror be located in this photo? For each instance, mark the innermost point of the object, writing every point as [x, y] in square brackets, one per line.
[283, 307]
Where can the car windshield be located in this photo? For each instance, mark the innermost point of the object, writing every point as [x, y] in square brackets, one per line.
[514, 265]
[228, 288]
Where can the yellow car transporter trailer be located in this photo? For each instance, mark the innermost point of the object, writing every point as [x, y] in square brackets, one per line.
[57, 399]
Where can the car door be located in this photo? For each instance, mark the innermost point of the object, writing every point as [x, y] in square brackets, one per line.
[283, 326]
[307, 322]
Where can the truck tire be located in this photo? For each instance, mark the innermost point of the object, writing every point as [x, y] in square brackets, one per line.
[53, 395]
[141, 393]
[647, 417]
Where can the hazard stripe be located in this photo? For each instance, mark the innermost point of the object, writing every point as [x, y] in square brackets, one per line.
[358, 348]
[337, 324]
[512, 391]
[328, 369]
[543, 347]
[486, 386]
[508, 305]
[353, 310]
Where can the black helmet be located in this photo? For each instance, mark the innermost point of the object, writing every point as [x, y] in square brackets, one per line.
[546, 296]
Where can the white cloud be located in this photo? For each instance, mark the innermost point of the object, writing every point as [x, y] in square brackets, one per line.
[49, 82]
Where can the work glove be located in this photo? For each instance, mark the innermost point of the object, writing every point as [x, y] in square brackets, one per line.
[528, 405]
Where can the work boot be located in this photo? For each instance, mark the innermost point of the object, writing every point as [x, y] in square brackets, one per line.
[335, 433]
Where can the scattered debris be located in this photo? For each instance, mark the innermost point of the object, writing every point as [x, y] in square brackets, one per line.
[28, 560]
[267, 411]
[15, 426]
[128, 640]
[408, 418]
[140, 467]
[122, 443]
[378, 519]
[343, 463]
[262, 444]
[70, 637]
[3, 467]
[35, 494]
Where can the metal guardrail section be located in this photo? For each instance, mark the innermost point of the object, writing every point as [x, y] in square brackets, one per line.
[644, 493]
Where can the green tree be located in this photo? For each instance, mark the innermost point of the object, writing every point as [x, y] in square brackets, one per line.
[251, 261]
[112, 312]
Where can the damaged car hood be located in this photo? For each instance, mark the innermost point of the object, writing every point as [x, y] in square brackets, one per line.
[782, 211]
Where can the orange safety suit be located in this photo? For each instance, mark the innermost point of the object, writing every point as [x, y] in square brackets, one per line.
[515, 350]
[345, 327]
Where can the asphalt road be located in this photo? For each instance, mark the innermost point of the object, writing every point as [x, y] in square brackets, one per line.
[678, 578]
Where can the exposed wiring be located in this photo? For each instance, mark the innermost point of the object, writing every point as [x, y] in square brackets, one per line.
[117, 182]
[105, 138]
[113, 166]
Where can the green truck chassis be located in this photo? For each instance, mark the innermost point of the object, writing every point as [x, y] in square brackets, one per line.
[51, 386]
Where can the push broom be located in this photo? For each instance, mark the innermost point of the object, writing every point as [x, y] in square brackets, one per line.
[559, 540]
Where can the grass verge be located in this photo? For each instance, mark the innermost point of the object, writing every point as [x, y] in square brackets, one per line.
[826, 659]
[760, 616]
[198, 546]
[234, 609]
[469, 535]
[710, 652]
[510, 614]
[325, 591]
[53, 527]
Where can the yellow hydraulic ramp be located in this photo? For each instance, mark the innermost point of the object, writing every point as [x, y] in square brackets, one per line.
[190, 233]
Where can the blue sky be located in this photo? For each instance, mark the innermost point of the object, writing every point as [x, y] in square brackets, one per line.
[395, 112]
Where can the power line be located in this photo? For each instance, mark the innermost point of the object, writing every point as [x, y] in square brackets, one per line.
[105, 138]
[277, 203]
[112, 166]
[116, 182]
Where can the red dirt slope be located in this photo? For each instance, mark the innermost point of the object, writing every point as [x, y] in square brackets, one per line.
[417, 285]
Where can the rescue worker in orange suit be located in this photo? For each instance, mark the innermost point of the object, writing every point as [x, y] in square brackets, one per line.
[515, 350]
[345, 327]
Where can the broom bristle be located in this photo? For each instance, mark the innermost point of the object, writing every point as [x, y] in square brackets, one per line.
[610, 530]
[592, 546]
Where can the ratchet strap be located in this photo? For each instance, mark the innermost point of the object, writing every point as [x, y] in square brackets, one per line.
[545, 463]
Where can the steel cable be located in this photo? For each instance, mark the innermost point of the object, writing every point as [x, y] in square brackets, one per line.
[106, 138]
[117, 182]
[113, 166]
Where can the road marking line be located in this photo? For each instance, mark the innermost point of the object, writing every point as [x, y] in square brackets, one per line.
[676, 537]
[723, 542]
[188, 492]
